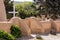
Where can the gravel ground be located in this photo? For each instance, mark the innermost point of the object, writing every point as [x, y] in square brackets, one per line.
[45, 37]
[26, 38]
[51, 37]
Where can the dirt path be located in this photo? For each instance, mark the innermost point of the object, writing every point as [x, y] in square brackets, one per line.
[45, 37]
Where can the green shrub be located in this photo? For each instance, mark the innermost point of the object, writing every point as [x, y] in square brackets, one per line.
[15, 31]
[26, 10]
[39, 38]
[5, 36]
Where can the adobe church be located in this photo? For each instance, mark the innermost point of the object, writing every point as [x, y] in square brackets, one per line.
[2, 11]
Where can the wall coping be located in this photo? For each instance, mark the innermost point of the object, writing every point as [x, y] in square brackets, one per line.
[5, 22]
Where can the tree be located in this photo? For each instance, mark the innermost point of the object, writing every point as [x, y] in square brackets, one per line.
[8, 7]
[40, 7]
[49, 7]
[53, 7]
[25, 10]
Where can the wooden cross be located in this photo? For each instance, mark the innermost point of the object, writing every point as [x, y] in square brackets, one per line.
[13, 12]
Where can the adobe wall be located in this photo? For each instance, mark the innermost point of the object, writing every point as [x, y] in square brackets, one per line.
[30, 25]
[23, 26]
[5, 26]
[56, 24]
[15, 21]
[34, 26]
[2, 11]
[27, 21]
[46, 26]
[40, 26]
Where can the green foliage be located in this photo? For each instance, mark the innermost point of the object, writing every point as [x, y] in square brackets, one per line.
[8, 7]
[40, 7]
[25, 10]
[39, 38]
[53, 7]
[6, 36]
[50, 7]
[16, 31]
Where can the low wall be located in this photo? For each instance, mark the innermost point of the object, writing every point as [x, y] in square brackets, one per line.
[57, 26]
[23, 26]
[34, 26]
[27, 21]
[5, 26]
[40, 26]
[30, 25]
[46, 26]
[15, 21]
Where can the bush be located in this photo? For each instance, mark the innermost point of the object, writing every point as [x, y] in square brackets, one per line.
[15, 31]
[25, 10]
[39, 38]
[5, 36]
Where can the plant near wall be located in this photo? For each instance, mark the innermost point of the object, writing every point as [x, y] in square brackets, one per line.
[5, 36]
[39, 37]
[15, 31]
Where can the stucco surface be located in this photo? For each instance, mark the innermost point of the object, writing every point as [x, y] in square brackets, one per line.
[2, 11]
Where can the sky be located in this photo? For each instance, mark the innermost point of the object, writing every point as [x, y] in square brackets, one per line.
[23, 0]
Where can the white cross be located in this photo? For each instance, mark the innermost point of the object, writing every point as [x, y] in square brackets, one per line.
[13, 12]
